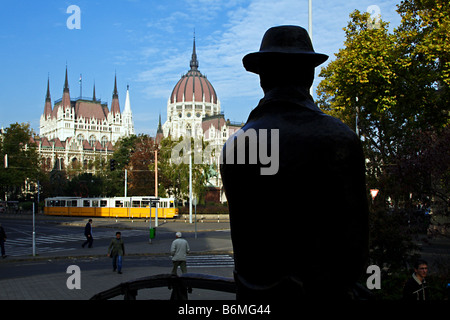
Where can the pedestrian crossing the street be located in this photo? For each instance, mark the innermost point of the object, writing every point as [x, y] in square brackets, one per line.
[209, 261]
[57, 242]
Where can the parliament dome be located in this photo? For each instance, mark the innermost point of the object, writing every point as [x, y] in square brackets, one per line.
[193, 86]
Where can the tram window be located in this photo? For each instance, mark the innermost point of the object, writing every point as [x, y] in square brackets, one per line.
[60, 203]
[163, 204]
[136, 204]
[69, 203]
[86, 203]
[103, 203]
[127, 204]
[95, 203]
[145, 204]
[119, 204]
[50, 203]
[171, 204]
[73, 204]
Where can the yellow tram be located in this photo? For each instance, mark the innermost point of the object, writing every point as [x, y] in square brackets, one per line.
[116, 207]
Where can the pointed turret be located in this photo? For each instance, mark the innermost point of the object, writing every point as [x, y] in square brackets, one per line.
[127, 116]
[194, 61]
[115, 108]
[159, 132]
[127, 102]
[48, 101]
[93, 94]
[66, 94]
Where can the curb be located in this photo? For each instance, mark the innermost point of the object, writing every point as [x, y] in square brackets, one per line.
[156, 254]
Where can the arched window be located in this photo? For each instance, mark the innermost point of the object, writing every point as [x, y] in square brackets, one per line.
[104, 141]
[92, 140]
[80, 138]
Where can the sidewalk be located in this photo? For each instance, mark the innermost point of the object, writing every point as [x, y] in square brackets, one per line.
[94, 279]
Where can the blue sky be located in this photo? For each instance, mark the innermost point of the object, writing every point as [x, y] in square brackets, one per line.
[148, 45]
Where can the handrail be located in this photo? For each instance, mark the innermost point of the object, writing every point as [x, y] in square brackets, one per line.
[180, 285]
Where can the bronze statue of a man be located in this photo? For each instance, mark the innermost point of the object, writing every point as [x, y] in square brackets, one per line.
[295, 184]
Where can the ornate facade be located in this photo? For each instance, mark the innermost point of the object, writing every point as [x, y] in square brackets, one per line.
[193, 110]
[80, 129]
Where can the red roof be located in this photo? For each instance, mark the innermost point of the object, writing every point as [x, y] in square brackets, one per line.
[90, 109]
[193, 84]
[86, 145]
[45, 142]
[58, 143]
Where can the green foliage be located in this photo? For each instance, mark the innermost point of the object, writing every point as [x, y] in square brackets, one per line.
[85, 185]
[397, 85]
[175, 177]
[391, 243]
[23, 160]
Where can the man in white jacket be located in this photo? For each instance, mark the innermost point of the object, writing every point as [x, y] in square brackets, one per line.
[179, 249]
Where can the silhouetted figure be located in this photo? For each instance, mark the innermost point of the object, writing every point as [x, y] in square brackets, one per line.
[88, 233]
[298, 214]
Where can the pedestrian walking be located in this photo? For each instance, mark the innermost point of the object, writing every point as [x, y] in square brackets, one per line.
[179, 249]
[88, 233]
[116, 251]
[2, 241]
[416, 287]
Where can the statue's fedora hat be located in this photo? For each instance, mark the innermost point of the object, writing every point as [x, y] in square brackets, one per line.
[289, 44]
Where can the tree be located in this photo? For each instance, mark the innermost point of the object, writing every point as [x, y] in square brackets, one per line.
[22, 159]
[85, 185]
[359, 83]
[124, 149]
[141, 175]
[174, 178]
[397, 85]
[424, 46]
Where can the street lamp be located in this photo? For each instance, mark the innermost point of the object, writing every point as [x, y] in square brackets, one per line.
[194, 202]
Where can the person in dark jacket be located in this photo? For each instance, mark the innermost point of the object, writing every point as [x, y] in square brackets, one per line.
[2, 241]
[416, 288]
[294, 162]
[88, 233]
[116, 251]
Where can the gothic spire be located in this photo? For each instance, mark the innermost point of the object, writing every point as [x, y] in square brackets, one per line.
[159, 130]
[194, 61]
[93, 94]
[66, 94]
[66, 83]
[48, 101]
[115, 108]
[47, 96]
[127, 108]
[115, 93]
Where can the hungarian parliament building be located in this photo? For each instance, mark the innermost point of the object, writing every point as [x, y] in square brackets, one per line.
[80, 130]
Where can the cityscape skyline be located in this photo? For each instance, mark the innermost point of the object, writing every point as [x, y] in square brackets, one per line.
[148, 46]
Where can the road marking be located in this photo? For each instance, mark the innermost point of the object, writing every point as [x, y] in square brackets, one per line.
[210, 261]
[22, 246]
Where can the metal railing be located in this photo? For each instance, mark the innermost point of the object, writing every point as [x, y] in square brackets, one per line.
[180, 286]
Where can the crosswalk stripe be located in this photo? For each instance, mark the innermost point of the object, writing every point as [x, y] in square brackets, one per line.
[209, 261]
[22, 246]
[23, 251]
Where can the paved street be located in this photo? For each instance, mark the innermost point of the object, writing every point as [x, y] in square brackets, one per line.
[58, 245]
[46, 279]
